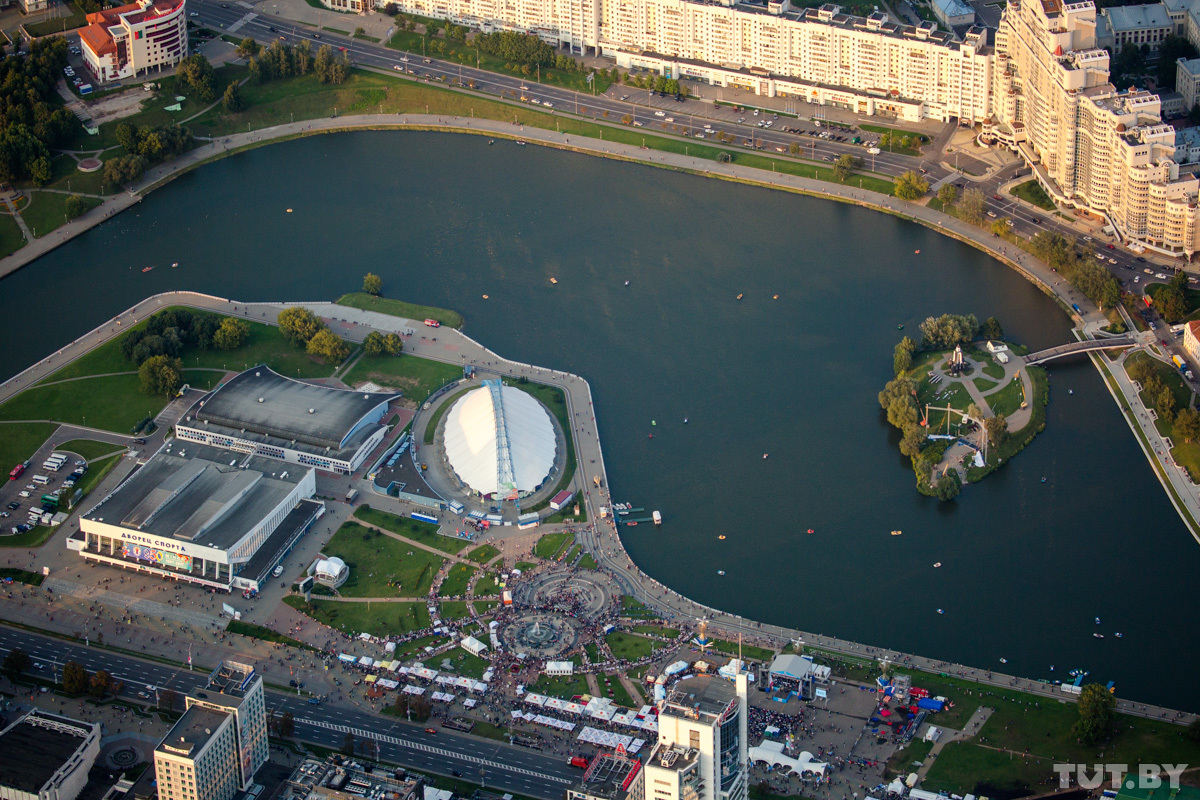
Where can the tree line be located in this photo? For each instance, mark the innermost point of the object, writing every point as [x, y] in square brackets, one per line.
[156, 346]
[1082, 269]
[32, 118]
[278, 61]
[145, 145]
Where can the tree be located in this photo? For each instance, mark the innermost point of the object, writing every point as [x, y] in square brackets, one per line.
[1171, 300]
[287, 725]
[1096, 708]
[991, 329]
[911, 441]
[232, 102]
[902, 355]
[997, 430]
[724, 157]
[393, 344]
[973, 206]
[167, 699]
[16, 663]
[232, 334]
[160, 375]
[373, 344]
[75, 206]
[948, 486]
[326, 344]
[75, 678]
[359, 32]
[124, 169]
[948, 330]
[846, 164]
[247, 48]
[1170, 50]
[1001, 226]
[911, 186]
[948, 194]
[372, 284]
[299, 325]
[1187, 424]
[348, 745]
[197, 73]
[896, 388]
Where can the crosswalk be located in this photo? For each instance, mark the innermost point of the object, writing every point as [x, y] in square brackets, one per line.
[359, 733]
[237, 26]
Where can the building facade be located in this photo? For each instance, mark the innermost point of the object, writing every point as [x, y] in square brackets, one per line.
[1139, 25]
[131, 40]
[702, 742]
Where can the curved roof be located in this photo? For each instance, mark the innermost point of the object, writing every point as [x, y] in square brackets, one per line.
[499, 438]
[330, 566]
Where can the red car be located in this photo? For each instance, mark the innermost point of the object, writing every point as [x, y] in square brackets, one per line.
[1110, 247]
[431, 730]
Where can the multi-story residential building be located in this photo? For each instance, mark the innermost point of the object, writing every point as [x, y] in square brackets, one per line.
[1138, 25]
[1090, 146]
[129, 41]
[701, 752]
[218, 744]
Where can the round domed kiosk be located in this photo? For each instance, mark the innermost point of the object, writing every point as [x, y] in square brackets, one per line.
[331, 572]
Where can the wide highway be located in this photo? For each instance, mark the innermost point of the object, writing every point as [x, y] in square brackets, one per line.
[498, 766]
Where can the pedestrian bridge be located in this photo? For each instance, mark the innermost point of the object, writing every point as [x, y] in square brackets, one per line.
[1062, 350]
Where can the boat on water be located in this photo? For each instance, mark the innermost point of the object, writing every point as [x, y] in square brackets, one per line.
[1070, 391]
[720, 572]
[900, 327]
[1119, 635]
[1004, 661]
[936, 565]
[1097, 620]
[491, 141]
[147, 269]
[917, 252]
[520, 142]
[174, 264]
[765, 456]
[1098, 635]
[722, 536]
[897, 533]
[626, 283]
[554, 280]
[739, 297]
[810, 530]
[940, 611]
[775, 297]
[485, 297]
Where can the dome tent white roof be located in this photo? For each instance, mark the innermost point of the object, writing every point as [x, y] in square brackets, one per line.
[331, 570]
[499, 438]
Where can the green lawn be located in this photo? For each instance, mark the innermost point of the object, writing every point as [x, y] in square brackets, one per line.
[21, 575]
[76, 18]
[377, 619]
[11, 238]
[483, 554]
[1008, 399]
[436, 416]
[1032, 192]
[416, 377]
[749, 651]
[629, 647]
[588, 562]
[457, 581]
[551, 544]
[423, 532]
[573, 553]
[610, 686]
[525, 566]
[907, 759]
[89, 449]
[453, 609]
[993, 370]
[656, 630]
[380, 566]
[416, 648]
[97, 471]
[266, 634]
[47, 211]
[593, 652]
[19, 442]
[983, 384]
[632, 607]
[565, 687]
[484, 606]
[399, 308]
[466, 664]
[487, 586]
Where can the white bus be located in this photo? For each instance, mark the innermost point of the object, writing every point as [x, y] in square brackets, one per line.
[41, 480]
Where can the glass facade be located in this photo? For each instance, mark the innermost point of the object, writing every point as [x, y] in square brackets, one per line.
[729, 756]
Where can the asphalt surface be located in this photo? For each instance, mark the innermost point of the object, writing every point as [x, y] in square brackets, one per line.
[499, 766]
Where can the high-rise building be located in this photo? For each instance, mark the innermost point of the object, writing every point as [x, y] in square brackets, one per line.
[701, 751]
[130, 40]
[218, 744]
[1090, 145]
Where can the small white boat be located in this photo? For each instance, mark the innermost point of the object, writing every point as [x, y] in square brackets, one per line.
[940, 611]
[554, 280]
[685, 420]
[937, 564]
[1097, 620]
[897, 533]
[1098, 635]
[1070, 391]
[720, 572]
[626, 283]
[1004, 661]
[765, 456]
[521, 143]
[1119, 635]
[174, 264]
[739, 297]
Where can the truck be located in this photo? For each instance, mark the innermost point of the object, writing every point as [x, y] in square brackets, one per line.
[433, 323]
[1180, 364]
[578, 761]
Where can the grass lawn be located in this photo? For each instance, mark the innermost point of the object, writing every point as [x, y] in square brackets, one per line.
[749, 651]
[484, 606]
[76, 18]
[457, 581]
[112, 403]
[266, 634]
[1032, 192]
[565, 687]
[19, 442]
[551, 544]
[399, 308]
[422, 532]
[567, 515]
[587, 562]
[466, 664]
[436, 416]
[11, 238]
[573, 553]
[632, 607]
[47, 211]
[960, 765]
[416, 648]
[610, 686]
[453, 609]
[656, 630]
[21, 576]
[525, 566]
[483, 554]
[993, 370]
[908, 759]
[89, 449]
[1008, 399]
[629, 647]
[593, 652]
[487, 586]
[380, 566]
[377, 619]
[416, 377]
[983, 384]
[97, 471]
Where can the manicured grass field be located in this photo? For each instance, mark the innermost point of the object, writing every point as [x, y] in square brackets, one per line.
[588, 562]
[629, 647]
[377, 619]
[610, 686]
[457, 581]
[74, 18]
[399, 308]
[416, 648]
[525, 566]
[983, 384]
[551, 544]
[11, 238]
[484, 606]
[656, 630]
[422, 532]
[487, 586]
[20, 441]
[1008, 399]
[483, 554]
[47, 211]
[88, 448]
[380, 566]
[565, 687]
[416, 377]
[453, 609]
[466, 664]
[21, 575]
[1032, 192]
[632, 607]
[749, 652]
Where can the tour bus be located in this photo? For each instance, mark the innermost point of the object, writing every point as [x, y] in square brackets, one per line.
[41, 480]
[50, 500]
[17, 472]
[54, 464]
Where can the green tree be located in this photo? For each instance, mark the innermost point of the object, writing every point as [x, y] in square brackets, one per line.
[902, 412]
[298, 325]
[75, 678]
[75, 206]
[973, 206]
[948, 486]
[1096, 707]
[911, 186]
[1164, 403]
[911, 441]
[197, 73]
[898, 387]
[1187, 424]
[326, 344]
[16, 663]
[231, 334]
[373, 345]
[162, 375]
[372, 283]
[1171, 300]
[393, 344]
[321, 63]
[991, 329]
[287, 725]
[948, 330]
[902, 355]
[846, 164]
[232, 101]
[948, 194]
[997, 430]
[247, 47]
[1001, 226]
[1170, 50]
[724, 157]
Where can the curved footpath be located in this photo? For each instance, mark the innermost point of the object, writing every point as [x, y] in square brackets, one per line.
[602, 540]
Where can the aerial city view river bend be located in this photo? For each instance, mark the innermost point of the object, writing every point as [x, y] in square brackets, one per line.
[1027, 565]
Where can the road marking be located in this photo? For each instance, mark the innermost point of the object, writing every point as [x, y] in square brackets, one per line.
[439, 751]
[237, 26]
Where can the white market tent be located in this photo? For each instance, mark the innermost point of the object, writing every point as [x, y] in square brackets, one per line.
[772, 753]
[499, 438]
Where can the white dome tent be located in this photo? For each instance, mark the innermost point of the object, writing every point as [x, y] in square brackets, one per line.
[500, 441]
[331, 572]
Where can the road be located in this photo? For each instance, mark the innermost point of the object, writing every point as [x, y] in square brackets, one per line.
[500, 766]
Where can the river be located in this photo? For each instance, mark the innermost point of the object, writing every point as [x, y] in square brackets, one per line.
[446, 219]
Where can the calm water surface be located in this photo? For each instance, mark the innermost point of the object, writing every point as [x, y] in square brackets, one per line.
[444, 220]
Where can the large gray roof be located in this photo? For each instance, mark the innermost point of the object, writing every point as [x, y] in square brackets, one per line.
[31, 754]
[262, 401]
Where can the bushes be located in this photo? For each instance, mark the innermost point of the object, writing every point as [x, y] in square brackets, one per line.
[167, 333]
[154, 143]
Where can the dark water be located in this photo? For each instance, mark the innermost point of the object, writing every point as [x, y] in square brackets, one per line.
[444, 220]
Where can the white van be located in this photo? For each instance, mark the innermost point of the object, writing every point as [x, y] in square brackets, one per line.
[41, 480]
[24, 493]
[278, 571]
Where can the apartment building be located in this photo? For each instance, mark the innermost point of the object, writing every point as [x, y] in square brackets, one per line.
[702, 742]
[129, 41]
[570, 24]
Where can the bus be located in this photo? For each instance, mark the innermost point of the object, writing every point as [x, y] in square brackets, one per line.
[50, 500]
[41, 480]
[424, 517]
[16, 472]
